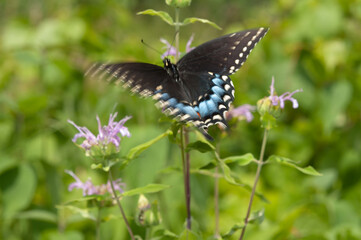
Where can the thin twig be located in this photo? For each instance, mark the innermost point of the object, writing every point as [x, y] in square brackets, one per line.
[184, 139]
[120, 206]
[216, 196]
[258, 173]
[216, 203]
[98, 222]
[186, 174]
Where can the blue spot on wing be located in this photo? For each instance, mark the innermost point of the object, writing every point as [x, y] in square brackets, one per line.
[187, 110]
[217, 81]
[215, 98]
[212, 108]
[203, 109]
[219, 91]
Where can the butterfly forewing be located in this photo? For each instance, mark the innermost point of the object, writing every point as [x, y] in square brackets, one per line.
[142, 78]
[224, 55]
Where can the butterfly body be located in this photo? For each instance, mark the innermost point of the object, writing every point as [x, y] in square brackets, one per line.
[197, 89]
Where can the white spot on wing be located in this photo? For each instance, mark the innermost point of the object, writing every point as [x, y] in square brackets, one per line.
[185, 117]
[221, 106]
[226, 98]
[217, 117]
[157, 96]
[136, 88]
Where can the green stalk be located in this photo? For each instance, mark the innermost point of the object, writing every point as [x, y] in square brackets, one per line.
[258, 173]
[120, 206]
[98, 222]
[216, 199]
[184, 138]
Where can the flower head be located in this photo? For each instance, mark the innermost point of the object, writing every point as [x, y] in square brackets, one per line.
[280, 100]
[90, 189]
[172, 51]
[270, 107]
[107, 137]
[242, 112]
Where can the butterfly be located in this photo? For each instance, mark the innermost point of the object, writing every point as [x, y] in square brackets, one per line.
[197, 89]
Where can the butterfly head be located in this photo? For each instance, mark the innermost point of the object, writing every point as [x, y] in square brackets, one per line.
[171, 69]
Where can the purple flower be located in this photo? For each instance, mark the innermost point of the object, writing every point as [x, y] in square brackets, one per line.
[172, 51]
[108, 134]
[242, 112]
[280, 100]
[90, 189]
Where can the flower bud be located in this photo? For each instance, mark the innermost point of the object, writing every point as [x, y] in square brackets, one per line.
[147, 214]
[265, 105]
[178, 3]
[268, 113]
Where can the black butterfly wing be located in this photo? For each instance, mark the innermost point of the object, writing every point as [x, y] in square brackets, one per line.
[141, 78]
[149, 80]
[204, 72]
[223, 55]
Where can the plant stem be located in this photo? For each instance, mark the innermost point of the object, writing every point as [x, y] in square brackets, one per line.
[148, 232]
[216, 203]
[216, 198]
[120, 206]
[98, 222]
[258, 173]
[176, 33]
[184, 138]
[186, 174]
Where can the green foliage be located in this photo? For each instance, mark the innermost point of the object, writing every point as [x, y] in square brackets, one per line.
[313, 45]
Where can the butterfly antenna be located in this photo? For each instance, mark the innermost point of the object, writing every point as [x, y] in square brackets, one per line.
[147, 45]
[171, 45]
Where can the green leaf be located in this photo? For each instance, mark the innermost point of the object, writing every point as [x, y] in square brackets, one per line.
[163, 15]
[7, 163]
[20, 190]
[227, 173]
[41, 215]
[241, 160]
[195, 19]
[288, 162]
[189, 235]
[234, 229]
[62, 235]
[85, 213]
[136, 151]
[257, 217]
[334, 102]
[150, 188]
[201, 146]
[78, 200]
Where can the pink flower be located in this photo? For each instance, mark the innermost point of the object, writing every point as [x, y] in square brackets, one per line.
[242, 112]
[90, 189]
[280, 100]
[108, 134]
[172, 51]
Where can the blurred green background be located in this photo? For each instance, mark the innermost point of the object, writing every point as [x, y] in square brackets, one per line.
[45, 47]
